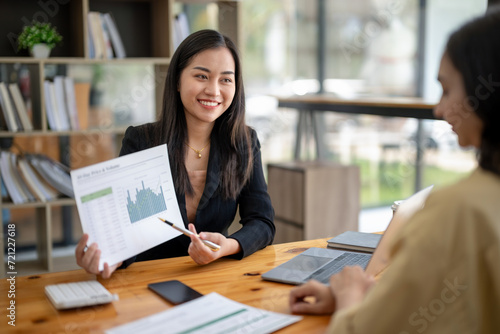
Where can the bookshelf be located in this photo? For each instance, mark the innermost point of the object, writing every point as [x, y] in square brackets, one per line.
[146, 29]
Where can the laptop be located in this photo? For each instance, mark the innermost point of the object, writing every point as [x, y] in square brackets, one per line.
[321, 263]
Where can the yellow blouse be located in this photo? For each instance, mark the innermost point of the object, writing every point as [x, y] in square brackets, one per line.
[444, 276]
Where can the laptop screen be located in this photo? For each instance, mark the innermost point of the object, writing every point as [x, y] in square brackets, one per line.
[380, 257]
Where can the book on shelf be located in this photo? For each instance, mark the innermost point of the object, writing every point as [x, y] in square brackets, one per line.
[82, 100]
[95, 27]
[17, 189]
[50, 105]
[55, 173]
[116, 40]
[108, 50]
[10, 185]
[30, 177]
[60, 105]
[20, 105]
[34, 182]
[8, 109]
[104, 38]
[3, 122]
[357, 241]
[16, 174]
[71, 106]
[90, 40]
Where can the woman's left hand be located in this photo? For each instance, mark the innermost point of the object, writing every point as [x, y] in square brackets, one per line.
[350, 286]
[202, 254]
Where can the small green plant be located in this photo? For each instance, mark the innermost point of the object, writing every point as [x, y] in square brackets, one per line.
[38, 33]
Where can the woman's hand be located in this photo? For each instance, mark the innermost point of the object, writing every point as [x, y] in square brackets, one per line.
[89, 259]
[350, 286]
[202, 254]
[321, 299]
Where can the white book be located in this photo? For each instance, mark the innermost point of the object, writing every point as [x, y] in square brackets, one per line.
[42, 191]
[20, 107]
[90, 41]
[53, 172]
[94, 22]
[8, 179]
[116, 40]
[18, 191]
[62, 111]
[50, 105]
[16, 175]
[69, 88]
[8, 108]
[108, 50]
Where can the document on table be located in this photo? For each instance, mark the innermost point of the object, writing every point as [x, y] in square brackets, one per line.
[209, 314]
[119, 201]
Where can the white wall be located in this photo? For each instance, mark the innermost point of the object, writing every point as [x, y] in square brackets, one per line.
[443, 17]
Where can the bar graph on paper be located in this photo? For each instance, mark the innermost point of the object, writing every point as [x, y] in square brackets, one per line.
[147, 203]
[118, 201]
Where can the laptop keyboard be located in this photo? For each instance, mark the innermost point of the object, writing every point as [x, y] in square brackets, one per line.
[347, 259]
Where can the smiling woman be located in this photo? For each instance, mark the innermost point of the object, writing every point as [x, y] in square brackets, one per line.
[204, 112]
[454, 106]
[207, 89]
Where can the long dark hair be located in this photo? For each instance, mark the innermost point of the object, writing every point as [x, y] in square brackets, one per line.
[230, 133]
[474, 50]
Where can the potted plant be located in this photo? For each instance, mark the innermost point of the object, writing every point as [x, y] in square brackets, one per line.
[39, 38]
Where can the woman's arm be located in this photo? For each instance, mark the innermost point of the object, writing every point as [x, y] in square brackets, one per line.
[255, 209]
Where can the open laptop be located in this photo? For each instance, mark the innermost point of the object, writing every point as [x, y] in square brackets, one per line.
[321, 263]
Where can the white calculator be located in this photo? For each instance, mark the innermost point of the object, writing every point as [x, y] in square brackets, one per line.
[78, 294]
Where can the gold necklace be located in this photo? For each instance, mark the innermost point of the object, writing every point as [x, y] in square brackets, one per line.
[198, 151]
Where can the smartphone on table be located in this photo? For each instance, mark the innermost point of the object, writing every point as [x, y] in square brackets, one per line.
[174, 291]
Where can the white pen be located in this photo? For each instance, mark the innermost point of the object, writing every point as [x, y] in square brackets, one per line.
[210, 244]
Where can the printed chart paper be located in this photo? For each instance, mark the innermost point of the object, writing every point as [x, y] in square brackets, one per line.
[119, 201]
[210, 314]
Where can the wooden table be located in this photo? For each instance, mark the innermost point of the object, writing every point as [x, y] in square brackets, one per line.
[381, 106]
[309, 106]
[237, 280]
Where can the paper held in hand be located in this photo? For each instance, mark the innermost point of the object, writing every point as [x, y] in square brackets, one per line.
[119, 201]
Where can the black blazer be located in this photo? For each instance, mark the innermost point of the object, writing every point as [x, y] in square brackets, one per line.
[215, 214]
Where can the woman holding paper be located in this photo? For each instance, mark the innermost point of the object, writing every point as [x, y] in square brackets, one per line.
[214, 157]
[444, 275]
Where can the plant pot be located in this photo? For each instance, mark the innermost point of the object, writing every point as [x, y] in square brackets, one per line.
[40, 51]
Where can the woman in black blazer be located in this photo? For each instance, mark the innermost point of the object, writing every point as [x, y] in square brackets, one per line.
[215, 158]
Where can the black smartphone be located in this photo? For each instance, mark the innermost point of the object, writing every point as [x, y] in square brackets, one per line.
[174, 291]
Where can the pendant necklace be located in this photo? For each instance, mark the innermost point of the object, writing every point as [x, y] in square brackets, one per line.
[198, 151]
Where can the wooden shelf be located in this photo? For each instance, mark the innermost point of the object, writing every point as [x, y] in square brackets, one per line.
[146, 28]
[118, 130]
[57, 202]
[81, 60]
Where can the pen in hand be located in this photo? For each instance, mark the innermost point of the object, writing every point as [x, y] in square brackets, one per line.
[214, 247]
